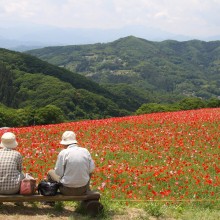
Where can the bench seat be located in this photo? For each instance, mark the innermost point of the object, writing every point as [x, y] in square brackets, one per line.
[40, 198]
[89, 201]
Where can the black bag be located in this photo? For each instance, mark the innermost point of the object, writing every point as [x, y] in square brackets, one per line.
[48, 188]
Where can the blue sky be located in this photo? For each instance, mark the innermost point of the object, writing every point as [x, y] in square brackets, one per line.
[184, 17]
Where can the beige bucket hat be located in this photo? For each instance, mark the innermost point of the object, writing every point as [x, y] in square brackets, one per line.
[8, 140]
[68, 137]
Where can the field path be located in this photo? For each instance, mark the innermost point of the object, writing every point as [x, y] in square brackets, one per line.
[9, 211]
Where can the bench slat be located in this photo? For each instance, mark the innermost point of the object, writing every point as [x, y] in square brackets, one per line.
[58, 197]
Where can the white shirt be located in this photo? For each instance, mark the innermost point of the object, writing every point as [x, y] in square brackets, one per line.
[74, 165]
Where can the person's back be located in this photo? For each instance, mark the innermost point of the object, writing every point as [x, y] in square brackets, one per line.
[77, 166]
[10, 165]
[74, 167]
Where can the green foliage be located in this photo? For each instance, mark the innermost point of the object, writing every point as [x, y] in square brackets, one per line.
[59, 206]
[192, 103]
[184, 104]
[154, 107]
[7, 89]
[25, 117]
[18, 62]
[30, 85]
[108, 80]
[171, 68]
[49, 114]
[9, 117]
[213, 103]
[154, 209]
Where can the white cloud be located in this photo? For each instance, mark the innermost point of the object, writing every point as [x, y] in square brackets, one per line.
[193, 17]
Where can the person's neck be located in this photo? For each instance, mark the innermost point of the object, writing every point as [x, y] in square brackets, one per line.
[72, 145]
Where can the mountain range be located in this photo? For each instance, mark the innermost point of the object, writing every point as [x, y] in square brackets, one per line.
[28, 82]
[107, 79]
[21, 38]
[159, 71]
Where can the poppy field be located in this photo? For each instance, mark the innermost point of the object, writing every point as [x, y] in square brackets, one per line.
[172, 156]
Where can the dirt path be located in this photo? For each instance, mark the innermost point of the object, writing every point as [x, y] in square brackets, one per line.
[8, 211]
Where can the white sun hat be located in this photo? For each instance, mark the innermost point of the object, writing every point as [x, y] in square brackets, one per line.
[8, 140]
[68, 137]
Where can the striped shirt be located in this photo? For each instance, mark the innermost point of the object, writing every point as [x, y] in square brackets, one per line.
[10, 169]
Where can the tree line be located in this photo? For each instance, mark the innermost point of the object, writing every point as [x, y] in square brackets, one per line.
[51, 114]
[188, 103]
[28, 116]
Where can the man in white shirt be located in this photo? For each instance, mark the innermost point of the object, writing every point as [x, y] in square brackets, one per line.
[73, 168]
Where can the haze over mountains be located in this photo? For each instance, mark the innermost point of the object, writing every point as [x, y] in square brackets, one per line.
[23, 38]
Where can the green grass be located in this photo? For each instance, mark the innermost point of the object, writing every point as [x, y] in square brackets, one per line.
[157, 209]
[143, 210]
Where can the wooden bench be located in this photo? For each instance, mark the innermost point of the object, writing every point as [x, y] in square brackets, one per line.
[90, 202]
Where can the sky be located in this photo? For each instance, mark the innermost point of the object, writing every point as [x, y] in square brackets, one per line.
[183, 17]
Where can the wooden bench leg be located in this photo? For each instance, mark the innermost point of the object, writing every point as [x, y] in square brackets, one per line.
[92, 207]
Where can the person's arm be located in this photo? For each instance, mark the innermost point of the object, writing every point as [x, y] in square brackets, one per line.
[60, 164]
[91, 164]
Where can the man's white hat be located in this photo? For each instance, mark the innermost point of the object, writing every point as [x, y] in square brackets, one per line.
[68, 137]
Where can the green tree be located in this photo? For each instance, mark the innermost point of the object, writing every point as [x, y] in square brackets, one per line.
[154, 107]
[49, 114]
[192, 103]
[213, 103]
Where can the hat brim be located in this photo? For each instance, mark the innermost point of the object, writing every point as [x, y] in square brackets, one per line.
[68, 142]
[10, 146]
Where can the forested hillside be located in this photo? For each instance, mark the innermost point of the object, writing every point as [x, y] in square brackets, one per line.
[34, 91]
[124, 77]
[157, 71]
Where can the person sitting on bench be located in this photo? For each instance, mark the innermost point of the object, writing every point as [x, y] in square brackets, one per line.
[74, 167]
[10, 165]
